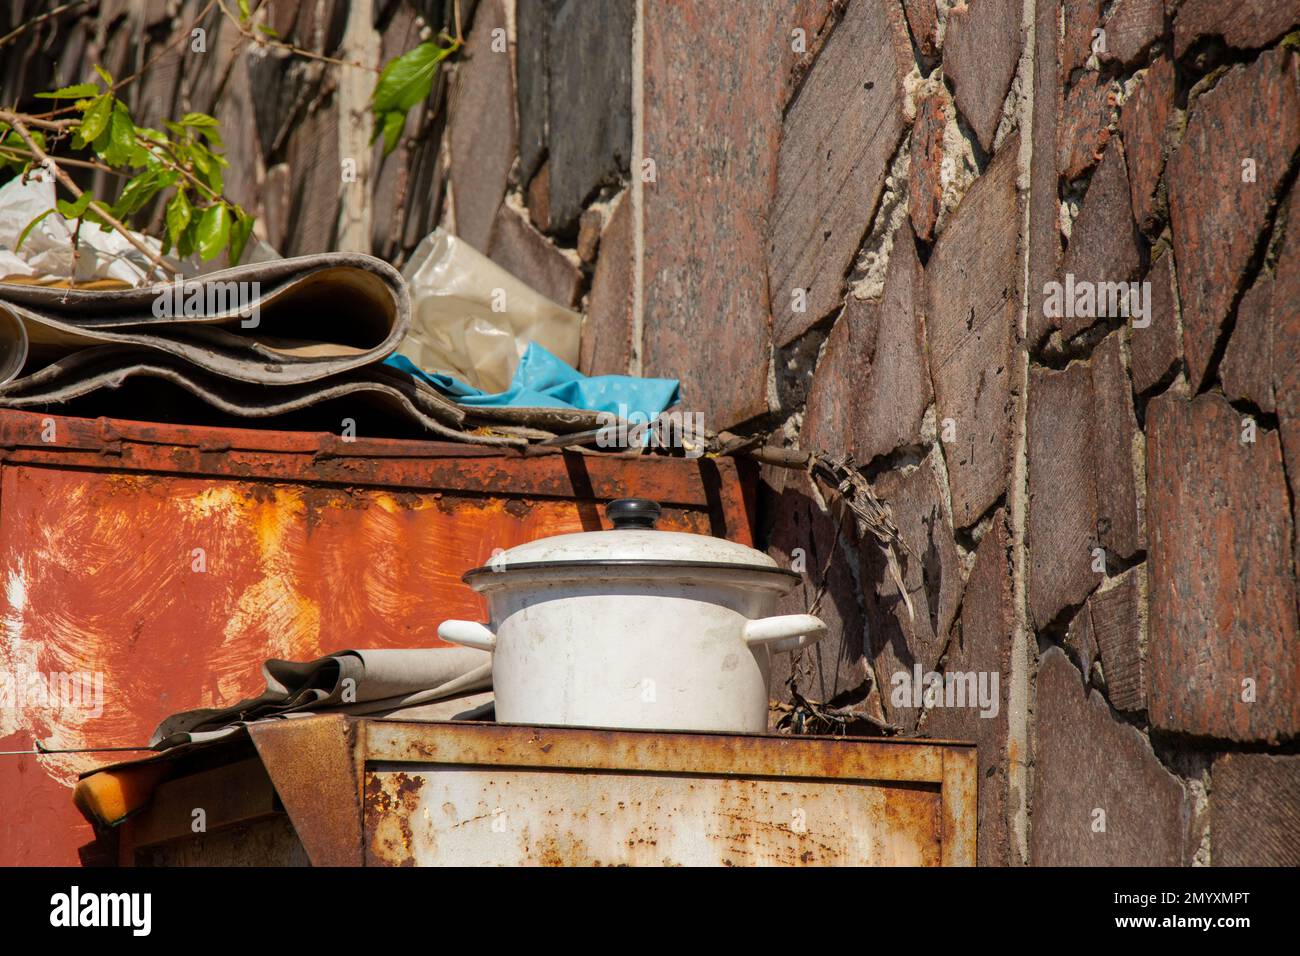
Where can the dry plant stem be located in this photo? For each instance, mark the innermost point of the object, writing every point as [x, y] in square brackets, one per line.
[281, 45]
[16, 153]
[72, 187]
[36, 21]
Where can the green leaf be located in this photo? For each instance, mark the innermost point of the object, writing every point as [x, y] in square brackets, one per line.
[244, 13]
[407, 80]
[239, 235]
[28, 228]
[394, 124]
[269, 31]
[198, 120]
[104, 74]
[96, 117]
[74, 210]
[136, 193]
[214, 231]
[185, 244]
[75, 92]
[121, 142]
[179, 213]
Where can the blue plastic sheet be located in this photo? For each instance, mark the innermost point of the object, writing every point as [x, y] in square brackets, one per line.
[543, 381]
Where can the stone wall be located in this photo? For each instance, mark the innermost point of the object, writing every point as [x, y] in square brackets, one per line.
[873, 228]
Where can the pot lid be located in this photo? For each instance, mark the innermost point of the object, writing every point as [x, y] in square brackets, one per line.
[633, 540]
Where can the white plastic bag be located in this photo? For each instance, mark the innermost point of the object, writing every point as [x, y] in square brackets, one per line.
[472, 319]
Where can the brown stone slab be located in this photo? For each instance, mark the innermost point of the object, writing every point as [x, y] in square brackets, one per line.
[1247, 367]
[1156, 348]
[931, 573]
[804, 540]
[1131, 27]
[1245, 24]
[1117, 612]
[711, 129]
[925, 181]
[607, 331]
[834, 409]
[972, 291]
[1044, 202]
[980, 50]
[1103, 247]
[1255, 810]
[1092, 770]
[1286, 361]
[1081, 18]
[1253, 113]
[1120, 495]
[1144, 126]
[482, 129]
[923, 21]
[528, 255]
[872, 386]
[1062, 520]
[1087, 115]
[1222, 583]
[981, 645]
[839, 135]
[1081, 642]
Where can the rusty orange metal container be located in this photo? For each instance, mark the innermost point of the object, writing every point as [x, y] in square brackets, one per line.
[147, 569]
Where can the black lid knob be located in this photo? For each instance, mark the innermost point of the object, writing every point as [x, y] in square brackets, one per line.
[628, 513]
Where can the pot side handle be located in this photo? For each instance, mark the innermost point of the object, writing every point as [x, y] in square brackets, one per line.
[468, 634]
[785, 632]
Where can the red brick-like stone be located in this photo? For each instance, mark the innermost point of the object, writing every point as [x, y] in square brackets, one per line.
[923, 20]
[1085, 761]
[1062, 522]
[482, 132]
[1131, 27]
[1117, 612]
[1255, 810]
[1086, 120]
[837, 140]
[1082, 17]
[972, 291]
[1247, 367]
[607, 331]
[1115, 443]
[1286, 361]
[925, 182]
[1144, 127]
[1252, 113]
[712, 125]
[528, 255]
[982, 644]
[980, 51]
[1245, 24]
[1104, 241]
[539, 197]
[931, 574]
[590, 225]
[1222, 584]
[1156, 348]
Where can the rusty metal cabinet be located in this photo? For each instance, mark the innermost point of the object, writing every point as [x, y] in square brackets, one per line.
[167, 562]
[342, 791]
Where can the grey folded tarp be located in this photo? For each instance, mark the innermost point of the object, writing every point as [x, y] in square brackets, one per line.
[371, 683]
[280, 322]
[255, 341]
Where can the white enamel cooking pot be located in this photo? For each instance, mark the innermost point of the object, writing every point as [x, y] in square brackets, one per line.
[633, 628]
